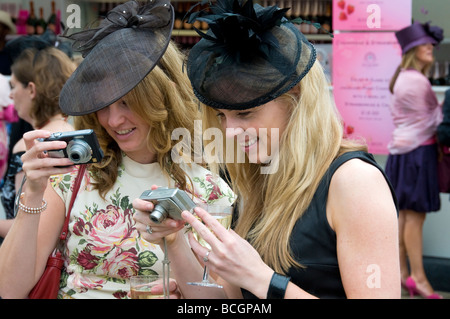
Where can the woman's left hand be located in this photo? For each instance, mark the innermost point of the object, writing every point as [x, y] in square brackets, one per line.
[151, 232]
[231, 257]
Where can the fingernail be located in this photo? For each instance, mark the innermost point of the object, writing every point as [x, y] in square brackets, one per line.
[185, 213]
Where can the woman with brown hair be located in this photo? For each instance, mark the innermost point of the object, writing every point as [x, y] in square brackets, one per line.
[37, 78]
[131, 90]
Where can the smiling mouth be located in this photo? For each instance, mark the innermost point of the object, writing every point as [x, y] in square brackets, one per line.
[123, 132]
[249, 142]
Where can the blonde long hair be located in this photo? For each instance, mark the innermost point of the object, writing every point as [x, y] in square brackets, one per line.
[272, 203]
[165, 100]
[409, 61]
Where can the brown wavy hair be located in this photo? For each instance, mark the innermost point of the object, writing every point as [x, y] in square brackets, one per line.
[165, 100]
[48, 69]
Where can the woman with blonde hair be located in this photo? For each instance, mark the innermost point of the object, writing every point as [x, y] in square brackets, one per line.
[132, 97]
[412, 160]
[317, 218]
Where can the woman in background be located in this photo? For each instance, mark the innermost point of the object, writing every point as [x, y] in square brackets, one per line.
[412, 162]
[133, 111]
[36, 81]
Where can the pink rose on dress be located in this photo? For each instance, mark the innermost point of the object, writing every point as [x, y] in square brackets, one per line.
[86, 259]
[121, 264]
[80, 228]
[110, 227]
[216, 192]
[82, 282]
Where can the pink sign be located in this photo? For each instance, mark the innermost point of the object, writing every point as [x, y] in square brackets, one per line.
[363, 64]
[371, 15]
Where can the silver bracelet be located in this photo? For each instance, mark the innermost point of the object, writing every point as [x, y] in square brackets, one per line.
[32, 210]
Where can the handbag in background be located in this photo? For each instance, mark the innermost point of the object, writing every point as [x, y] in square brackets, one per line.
[444, 168]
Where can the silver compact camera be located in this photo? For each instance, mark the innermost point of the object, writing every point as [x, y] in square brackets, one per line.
[169, 202]
[82, 146]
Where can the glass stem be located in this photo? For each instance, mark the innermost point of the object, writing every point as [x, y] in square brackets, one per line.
[166, 271]
[205, 274]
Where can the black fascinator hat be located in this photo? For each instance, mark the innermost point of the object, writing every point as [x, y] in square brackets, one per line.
[48, 39]
[249, 56]
[118, 55]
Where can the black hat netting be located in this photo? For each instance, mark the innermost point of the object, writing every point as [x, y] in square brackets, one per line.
[250, 56]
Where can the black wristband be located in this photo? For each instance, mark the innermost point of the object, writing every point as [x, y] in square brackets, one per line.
[277, 286]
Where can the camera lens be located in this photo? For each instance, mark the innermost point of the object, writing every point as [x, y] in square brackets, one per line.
[79, 151]
[159, 214]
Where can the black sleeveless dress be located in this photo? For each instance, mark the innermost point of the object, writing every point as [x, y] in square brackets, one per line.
[8, 191]
[313, 242]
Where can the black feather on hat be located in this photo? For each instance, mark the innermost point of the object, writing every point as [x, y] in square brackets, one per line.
[249, 56]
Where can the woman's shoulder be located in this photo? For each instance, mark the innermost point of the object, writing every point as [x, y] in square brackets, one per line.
[63, 183]
[356, 169]
[412, 75]
[19, 147]
[358, 186]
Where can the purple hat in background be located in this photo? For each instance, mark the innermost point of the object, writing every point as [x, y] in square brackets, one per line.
[417, 34]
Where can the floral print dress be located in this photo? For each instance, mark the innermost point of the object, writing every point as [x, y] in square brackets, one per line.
[104, 248]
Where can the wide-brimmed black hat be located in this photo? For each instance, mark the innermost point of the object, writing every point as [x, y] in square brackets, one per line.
[117, 55]
[250, 55]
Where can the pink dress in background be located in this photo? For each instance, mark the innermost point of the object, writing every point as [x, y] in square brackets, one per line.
[7, 114]
[415, 111]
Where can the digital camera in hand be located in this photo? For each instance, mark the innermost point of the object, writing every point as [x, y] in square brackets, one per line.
[82, 146]
[169, 202]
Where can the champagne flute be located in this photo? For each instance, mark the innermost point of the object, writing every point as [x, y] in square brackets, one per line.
[141, 286]
[223, 214]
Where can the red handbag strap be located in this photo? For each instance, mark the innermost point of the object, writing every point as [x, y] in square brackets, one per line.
[76, 187]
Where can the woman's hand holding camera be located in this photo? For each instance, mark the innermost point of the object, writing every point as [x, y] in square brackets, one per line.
[37, 165]
[150, 231]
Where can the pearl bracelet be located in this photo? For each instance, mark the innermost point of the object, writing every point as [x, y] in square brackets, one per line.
[32, 210]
